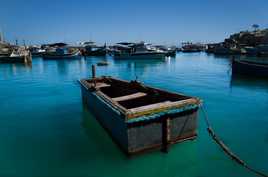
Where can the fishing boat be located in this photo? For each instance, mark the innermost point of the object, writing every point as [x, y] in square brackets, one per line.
[19, 55]
[256, 67]
[250, 51]
[91, 49]
[61, 53]
[137, 51]
[36, 51]
[263, 50]
[170, 51]
[188, 47]
[138, 117]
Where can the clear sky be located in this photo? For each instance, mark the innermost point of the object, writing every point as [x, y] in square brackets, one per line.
[156, 21]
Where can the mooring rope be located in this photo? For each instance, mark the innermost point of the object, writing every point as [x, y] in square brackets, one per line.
[226, 149]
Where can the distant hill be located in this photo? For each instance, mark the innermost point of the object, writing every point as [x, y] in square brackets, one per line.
[248, 38]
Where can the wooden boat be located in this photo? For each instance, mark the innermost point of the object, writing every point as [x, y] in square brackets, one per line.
[247, 67]
[140, 118]
[59, 55]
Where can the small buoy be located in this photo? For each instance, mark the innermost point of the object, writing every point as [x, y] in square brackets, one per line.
[102, 63]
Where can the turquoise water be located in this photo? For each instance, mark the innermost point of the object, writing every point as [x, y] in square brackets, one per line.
[45, 131]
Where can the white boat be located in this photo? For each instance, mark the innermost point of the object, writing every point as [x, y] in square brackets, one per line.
[20, 55]
[137, 51]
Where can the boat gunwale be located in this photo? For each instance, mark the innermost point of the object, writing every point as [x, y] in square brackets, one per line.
[252, 63]
[137, 112]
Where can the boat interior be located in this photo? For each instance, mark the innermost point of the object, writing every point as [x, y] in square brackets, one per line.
[133, 94]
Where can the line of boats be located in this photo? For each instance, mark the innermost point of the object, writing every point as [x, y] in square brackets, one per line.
[17, 55]
[22, 54]
[126, 50]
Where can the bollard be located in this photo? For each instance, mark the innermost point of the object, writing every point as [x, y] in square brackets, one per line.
[93, 71]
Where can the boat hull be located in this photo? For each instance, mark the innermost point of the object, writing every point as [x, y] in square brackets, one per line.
[146, 134]
[141, 56]
[95, 53]
[247, 68]
[65, 56]
[12, 59]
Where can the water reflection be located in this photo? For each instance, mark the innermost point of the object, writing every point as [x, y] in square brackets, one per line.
[98, 137]
[249, 82]
[14, 69]
[138, 67]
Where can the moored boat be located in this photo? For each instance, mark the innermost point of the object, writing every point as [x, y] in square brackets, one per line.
[139, 117]
[18, 55]
[189, 47]
[250, 67]
[170, 51]
[36, 51]
[61, 53]
[91, 49]
[137, 51]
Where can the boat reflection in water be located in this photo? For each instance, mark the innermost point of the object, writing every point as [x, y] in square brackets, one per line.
[249, 83]
[138, 67]
[99, 138]
[15, 68]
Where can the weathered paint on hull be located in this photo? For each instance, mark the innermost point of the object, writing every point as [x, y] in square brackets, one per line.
[252, 69]
[110, 119]
[147, 136]
[136, 137]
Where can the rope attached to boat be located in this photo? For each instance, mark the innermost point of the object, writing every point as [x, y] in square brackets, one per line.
[226, 149]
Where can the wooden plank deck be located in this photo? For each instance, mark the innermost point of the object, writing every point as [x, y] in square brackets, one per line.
[129, 97]
[150, 107]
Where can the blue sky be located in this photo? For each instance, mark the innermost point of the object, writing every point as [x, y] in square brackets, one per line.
[165, 21]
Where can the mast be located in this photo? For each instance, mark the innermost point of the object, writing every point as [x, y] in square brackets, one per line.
[1, 36]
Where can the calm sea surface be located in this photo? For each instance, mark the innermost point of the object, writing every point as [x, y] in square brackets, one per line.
[44, 130]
